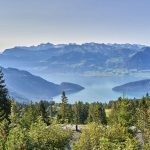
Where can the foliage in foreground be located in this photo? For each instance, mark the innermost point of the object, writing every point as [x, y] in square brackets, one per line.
[38, 137]
[98, 137]
[37, 126]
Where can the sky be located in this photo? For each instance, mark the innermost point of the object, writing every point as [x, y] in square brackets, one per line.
[31, 22]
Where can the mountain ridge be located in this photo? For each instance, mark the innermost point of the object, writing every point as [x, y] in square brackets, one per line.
[28, 87]
[142, 86]
[72, 57]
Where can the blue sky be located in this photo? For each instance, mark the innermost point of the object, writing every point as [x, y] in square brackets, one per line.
[28, 22]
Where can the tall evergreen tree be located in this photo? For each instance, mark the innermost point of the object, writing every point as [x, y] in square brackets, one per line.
[97, 113]
[28, 116]
[51, 104]
[142, 113]
[5, 104]
[43, 112]
[13, 115]
[64, 108]
[80, 111]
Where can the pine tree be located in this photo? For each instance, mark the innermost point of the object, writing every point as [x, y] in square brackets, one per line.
[80, 112]
[64, 107]
[13, 115]
[142, 114]
[29, 115]
[97, 113]
[123, 112]
[50, 108]
[76, 113]
[4, 101]
[43, 112]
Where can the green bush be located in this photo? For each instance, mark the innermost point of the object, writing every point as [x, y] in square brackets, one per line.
[98, 137]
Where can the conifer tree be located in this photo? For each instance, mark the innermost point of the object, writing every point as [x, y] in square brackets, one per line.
[4, 101]
[13, 115]
[80, 112]
[64, 107]
[28, 116]
[142, 114]
[76, 113]
[51, 105]
[43, 112]
[97, 113]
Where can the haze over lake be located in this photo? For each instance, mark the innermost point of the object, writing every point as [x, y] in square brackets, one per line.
[97, 88]
[97, 67]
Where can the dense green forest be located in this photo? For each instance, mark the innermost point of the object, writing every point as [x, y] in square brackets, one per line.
[122, 124]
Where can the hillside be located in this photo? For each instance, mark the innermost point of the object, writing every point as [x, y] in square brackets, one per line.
[142, 86]
[140, 60]
[24, 86]
[74, 58]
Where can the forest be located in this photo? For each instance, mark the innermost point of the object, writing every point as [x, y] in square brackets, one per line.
[122, 124]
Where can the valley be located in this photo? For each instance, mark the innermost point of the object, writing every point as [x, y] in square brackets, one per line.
[97, 67]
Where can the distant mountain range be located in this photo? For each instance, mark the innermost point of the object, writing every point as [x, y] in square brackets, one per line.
[142, 86]
[141, 60]
[25, 87]
[88, 58]
[64, 58]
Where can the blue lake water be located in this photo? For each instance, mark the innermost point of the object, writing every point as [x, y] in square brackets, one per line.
[96, 88]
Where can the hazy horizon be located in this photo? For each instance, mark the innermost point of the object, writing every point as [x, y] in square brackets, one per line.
[104, 21]
[79, 43]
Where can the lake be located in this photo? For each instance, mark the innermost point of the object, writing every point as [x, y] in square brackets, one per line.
[96, 88]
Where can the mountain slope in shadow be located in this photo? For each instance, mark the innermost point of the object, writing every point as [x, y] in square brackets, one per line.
[136, 87]
[24, 86]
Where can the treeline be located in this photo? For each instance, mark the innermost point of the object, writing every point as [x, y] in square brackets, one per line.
[62, 113]
[28, 127]
[42, 125]
[128, 127]
[133, 113]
